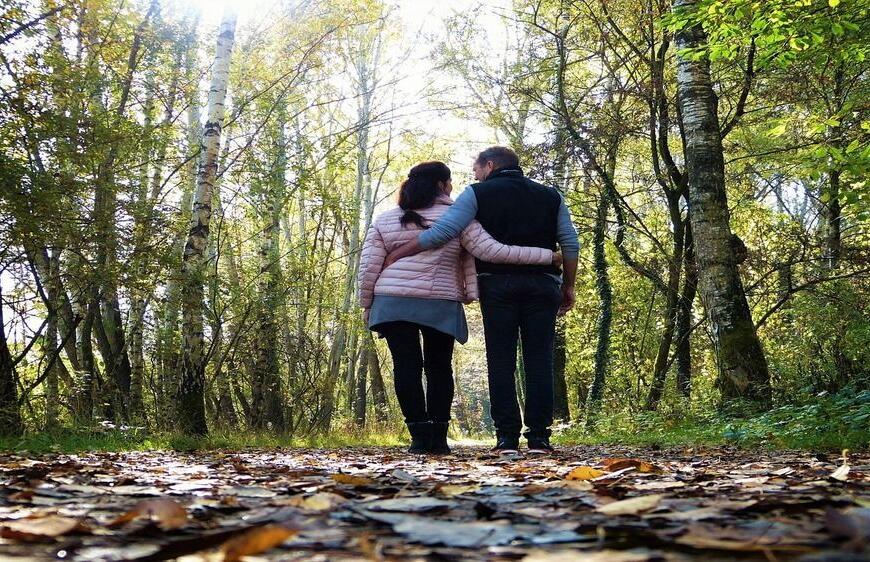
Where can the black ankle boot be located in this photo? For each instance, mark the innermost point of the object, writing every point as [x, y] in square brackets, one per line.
[439, 439]
[421, 437]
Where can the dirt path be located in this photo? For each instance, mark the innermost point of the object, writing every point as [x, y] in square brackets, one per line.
[611, 503]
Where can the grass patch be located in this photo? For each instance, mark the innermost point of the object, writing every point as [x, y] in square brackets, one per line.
[82, 440]
[829, 423]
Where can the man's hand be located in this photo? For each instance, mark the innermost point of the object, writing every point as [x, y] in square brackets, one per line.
[557, 259]
[403, 251]
[567, 299]
[568, 276]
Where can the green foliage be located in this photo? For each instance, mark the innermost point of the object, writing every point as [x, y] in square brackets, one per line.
[825, 422]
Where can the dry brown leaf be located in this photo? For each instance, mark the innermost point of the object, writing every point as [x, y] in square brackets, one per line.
[743, 546]
[40, 528]
[612, 465]
[321, 501]
[567, 555]
[451, 490]
[631, 506]
[584, 473]
[352, 480]
[167, 514]
[255, 541]
[668, 485]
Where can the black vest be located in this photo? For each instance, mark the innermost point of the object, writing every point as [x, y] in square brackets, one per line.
[517, 211]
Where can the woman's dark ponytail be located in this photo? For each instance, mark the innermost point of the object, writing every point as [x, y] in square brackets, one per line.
[420, 190]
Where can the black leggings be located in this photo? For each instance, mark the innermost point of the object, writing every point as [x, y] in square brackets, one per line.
[409, 363]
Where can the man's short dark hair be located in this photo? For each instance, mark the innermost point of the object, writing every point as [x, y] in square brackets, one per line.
[500, 156]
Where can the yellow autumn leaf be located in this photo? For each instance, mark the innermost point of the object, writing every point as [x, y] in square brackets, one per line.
[352, 480]
[584, 473]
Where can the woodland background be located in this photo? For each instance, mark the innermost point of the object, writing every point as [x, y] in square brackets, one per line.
[183, 201]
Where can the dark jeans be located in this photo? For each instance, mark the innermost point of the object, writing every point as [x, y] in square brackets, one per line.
[409, 363]
[520, 306]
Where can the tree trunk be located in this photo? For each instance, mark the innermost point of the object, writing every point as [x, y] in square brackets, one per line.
[10, 417]
[110, 332]
[675, 266]
[833, 218]
[605, 312]
[52, 360]
[190, 404]
[832, 207]
[742, 366]
[266, 398]
[560, 386]
[684, 316]
[379, 393]
[359, 401]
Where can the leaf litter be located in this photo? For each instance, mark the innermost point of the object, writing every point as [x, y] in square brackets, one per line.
[604, 503]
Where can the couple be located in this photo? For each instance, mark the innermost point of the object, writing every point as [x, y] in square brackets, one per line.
[417, 270]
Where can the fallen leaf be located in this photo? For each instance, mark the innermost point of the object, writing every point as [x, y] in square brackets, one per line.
[167, 514]
[321, 501]
[566, 555]
[842, 473]
[352, 480]
[853, 524]
[451, 490]
[403, 475]
[255, 541]
[408, 504]
[612, 465]
[631, 506]
[467, 534]
[248, 492]
[659, 485]
[584, 473]
[40, 528]
[749, 536]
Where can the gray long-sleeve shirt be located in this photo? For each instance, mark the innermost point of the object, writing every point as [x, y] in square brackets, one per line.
[464, 209]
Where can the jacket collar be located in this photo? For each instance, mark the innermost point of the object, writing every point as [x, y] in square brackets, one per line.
[505, 172]
[444, 198]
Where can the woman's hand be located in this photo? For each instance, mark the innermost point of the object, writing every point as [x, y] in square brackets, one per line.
[366, 312]
[557, 259]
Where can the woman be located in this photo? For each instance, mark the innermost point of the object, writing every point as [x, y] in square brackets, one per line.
[423, 295]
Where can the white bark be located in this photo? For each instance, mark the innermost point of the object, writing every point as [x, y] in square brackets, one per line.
[190, 404]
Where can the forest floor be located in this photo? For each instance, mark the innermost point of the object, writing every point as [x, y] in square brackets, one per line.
[611, 503]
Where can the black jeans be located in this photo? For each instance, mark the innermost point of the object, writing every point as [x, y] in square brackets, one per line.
[409, 363]
[520, 306]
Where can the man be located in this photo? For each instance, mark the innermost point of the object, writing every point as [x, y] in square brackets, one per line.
[517, 301]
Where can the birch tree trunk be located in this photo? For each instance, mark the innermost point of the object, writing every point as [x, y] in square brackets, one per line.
[190, 404]
[742, 366]
[84, 401]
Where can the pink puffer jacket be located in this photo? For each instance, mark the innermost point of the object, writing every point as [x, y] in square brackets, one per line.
[446, 272]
